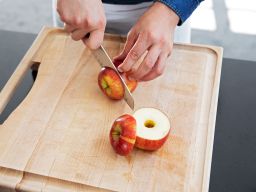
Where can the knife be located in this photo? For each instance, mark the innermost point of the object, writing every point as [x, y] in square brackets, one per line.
[104, 60]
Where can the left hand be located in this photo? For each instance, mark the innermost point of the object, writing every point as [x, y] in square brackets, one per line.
[153, 32]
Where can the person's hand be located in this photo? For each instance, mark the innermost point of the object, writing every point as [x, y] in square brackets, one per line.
[82, 17]
[153, 33]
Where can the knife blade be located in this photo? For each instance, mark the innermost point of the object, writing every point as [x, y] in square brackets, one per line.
[104, 60]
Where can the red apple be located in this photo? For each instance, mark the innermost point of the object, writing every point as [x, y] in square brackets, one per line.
[111, 85]
[153, 128]
[123, 134]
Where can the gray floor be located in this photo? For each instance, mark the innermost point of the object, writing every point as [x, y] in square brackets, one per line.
[30, 16]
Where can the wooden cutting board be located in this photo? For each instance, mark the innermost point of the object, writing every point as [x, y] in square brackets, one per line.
[57, 138]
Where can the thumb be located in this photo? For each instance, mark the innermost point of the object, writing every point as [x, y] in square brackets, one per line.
[95, 39]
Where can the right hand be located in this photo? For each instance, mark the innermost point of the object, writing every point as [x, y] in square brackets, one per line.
[82, 17]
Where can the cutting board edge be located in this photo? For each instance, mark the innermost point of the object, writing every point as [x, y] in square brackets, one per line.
[212, 117]
[26, 62]
[27, 181]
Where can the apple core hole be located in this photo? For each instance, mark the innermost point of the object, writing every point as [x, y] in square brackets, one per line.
[149, 123]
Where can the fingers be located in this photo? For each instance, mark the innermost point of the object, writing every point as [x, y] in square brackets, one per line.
[158, 68]
[133, 55]
[82, 18]
[78, 34]
[95, 39]
[148, 63]
[153, 63]
[69, 28]
[131, 39]
[93, 42]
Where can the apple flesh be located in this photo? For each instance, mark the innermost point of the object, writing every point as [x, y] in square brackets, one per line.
[111, 84]
[153, 128]
[123, 134]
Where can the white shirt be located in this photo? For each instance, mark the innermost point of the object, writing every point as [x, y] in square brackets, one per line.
[120, 19]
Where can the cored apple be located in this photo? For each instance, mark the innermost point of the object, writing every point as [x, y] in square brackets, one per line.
[123, 134]
[153, 128]
[111, 84]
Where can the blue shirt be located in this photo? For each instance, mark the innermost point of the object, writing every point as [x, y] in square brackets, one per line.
[183, 8]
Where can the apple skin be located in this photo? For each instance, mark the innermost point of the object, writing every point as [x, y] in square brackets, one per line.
[111, 85]
[123, 134]
[131, 84]
[150, 145]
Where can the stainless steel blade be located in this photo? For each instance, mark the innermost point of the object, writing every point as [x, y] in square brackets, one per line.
[104, 60]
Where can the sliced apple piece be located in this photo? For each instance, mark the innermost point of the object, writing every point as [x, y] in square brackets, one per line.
[110, 83]
[123, 134]
[153, 128]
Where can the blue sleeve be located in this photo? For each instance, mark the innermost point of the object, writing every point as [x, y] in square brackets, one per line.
[183, 8]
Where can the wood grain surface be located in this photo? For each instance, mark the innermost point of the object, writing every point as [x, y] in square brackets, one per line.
[57, 138]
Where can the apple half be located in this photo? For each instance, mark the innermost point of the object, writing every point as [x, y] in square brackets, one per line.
[153, 128]
[123, 134]
[111, 84]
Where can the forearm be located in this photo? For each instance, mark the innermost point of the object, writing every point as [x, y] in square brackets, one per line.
[183, 8]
